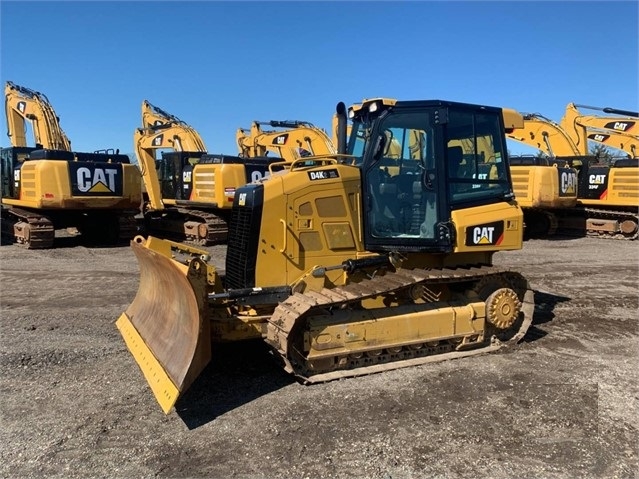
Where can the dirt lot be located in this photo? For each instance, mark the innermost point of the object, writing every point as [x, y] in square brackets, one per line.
[564, 403]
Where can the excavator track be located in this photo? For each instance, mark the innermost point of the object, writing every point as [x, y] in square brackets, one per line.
[540, 223]
[599, 223]
[27, 228]
[188, 226]
[287, 329]
[204, 228]
[628, 223]
[127, 227]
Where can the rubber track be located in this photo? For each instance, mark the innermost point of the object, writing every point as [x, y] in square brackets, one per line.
[288, 312]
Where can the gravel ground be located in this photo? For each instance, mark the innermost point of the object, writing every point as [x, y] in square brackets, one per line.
[562, 404]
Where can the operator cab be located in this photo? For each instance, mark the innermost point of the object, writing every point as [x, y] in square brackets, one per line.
[11, 158]
[175, 173]
[420, 161]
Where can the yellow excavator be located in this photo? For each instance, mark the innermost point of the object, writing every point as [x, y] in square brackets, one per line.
[623, 128]
[607, 195]
[190, 192]
[293, 140]
[544, 188]
[351, 263]
[22, 106]
[48, 187]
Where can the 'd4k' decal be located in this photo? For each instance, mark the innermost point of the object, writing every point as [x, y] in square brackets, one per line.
[485, 234]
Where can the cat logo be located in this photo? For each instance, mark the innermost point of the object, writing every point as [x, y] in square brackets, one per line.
[100, 180]
[598, 137]
[96, 179]
[281, 139]
[158, 123]
[485, 234]
[157, 141]
[242, 199]
[596, 181]
[568, 182]
[619, 125]
[22, 106]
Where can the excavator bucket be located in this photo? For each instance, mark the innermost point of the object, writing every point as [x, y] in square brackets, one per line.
[164, 327]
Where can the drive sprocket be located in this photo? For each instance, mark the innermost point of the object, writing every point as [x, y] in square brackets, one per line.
[502, 308]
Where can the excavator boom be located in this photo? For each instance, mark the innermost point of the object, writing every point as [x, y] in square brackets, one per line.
[579, 126]
[544, 134]
[294, 140]
[25, 105]
[620, 141]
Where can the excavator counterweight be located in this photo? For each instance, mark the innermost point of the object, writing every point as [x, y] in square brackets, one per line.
[48, 187]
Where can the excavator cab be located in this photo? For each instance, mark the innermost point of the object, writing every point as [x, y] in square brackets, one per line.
[175, 173]
[11, 159]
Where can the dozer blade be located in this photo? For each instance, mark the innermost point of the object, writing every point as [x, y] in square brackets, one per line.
[163, 327]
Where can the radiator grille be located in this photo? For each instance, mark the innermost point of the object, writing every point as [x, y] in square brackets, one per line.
[244, 236]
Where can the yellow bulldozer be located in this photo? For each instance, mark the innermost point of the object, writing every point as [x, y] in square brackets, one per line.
[351, 264]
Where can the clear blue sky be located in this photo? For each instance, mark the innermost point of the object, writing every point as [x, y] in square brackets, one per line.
[220, 65]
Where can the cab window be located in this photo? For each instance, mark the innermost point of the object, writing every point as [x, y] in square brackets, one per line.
[475, 158]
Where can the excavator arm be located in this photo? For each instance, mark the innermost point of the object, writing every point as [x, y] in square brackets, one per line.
[293, 140]
[156, 119]
[544, 134]
[582, 128]
[23, 104]
[179, 137]
[627, 143]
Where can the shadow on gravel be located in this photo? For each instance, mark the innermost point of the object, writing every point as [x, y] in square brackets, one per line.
[242, 372]
[238, 374]
[544, 312]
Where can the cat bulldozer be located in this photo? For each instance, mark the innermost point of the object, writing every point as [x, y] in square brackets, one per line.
[348, 264]
[48, 187]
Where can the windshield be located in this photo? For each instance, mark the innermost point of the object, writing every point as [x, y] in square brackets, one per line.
[400, 177]
[358, 135]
